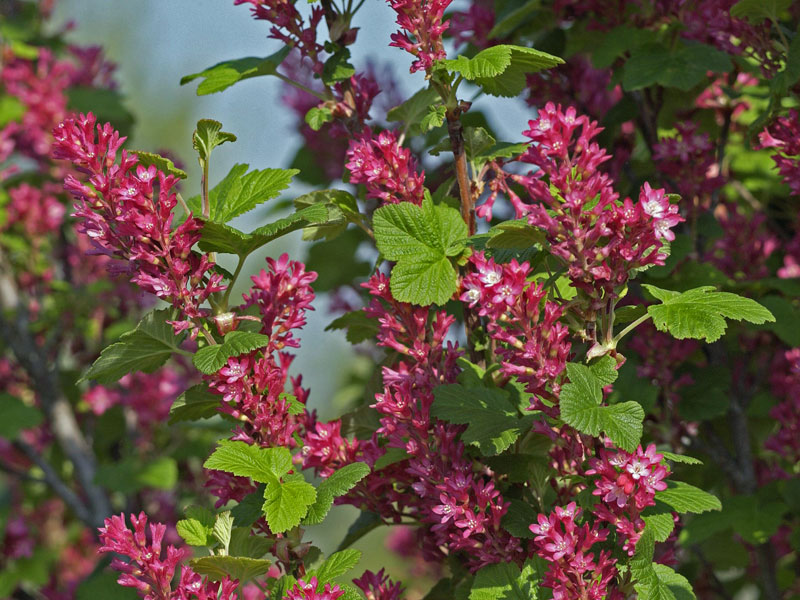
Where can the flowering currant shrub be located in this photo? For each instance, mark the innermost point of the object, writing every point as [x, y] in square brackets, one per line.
[584, 377]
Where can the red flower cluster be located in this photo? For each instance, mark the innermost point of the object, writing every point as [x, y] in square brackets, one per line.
[310, 591]
[573, 571]
[150, 568]
[436, 483]
[377, 586]
[421, 21]
[126, 209]
[599, 239]
[386, 168]
[627, 484]
[532, 350]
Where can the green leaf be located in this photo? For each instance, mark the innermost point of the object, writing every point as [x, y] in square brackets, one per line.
[359, 326]
[11, 109]
[337, 67]
[208, 135]
[685, 498]
[518, 519]
[198, 402]
[682, 67]
[235, 567]
[756, 11]
[240, 191]
[339, 483]
[414, 110]
[287, 502]
[222, 529]
[500, 150]
[581, 400]
[217, 237]
[421, 240]
[316, 117]
[144, 349]
[245, 460]
[337, 564]
[248, 510]
[661, 524]
[17, 416]
[103, 585]
[505, 581]
[243, 543]
[342, 208]
[433, 118]
[493, 423]
[197, 527]
[427, 279]
[193, 532]
[501, 70]
[163, 164]
[656, 581]
[212, 358]
[681, 458]
[700, 313]
[228, 72]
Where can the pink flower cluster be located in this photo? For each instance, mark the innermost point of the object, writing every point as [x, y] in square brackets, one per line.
[377, 586]
[310, 591]
[599, 239]
[126, 209]
[151, 567]
[422, 29]
[627, 484]
[253, 384]
[532, 349]
[573, 571]
[388, 170]
[784, 136]
[289, 26]
[459, 508]
[324, 446]
[689, 160]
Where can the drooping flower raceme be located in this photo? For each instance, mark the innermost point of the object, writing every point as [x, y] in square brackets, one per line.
[126, 209]
[533, 344]
[388, 170]
[151, 566]
[627, 483]
[598, 238]
[573, 571]
[421, 30]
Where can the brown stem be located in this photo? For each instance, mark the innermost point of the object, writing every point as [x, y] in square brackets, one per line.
[456, 132]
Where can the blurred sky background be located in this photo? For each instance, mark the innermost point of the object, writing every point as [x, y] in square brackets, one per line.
[156, 42]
